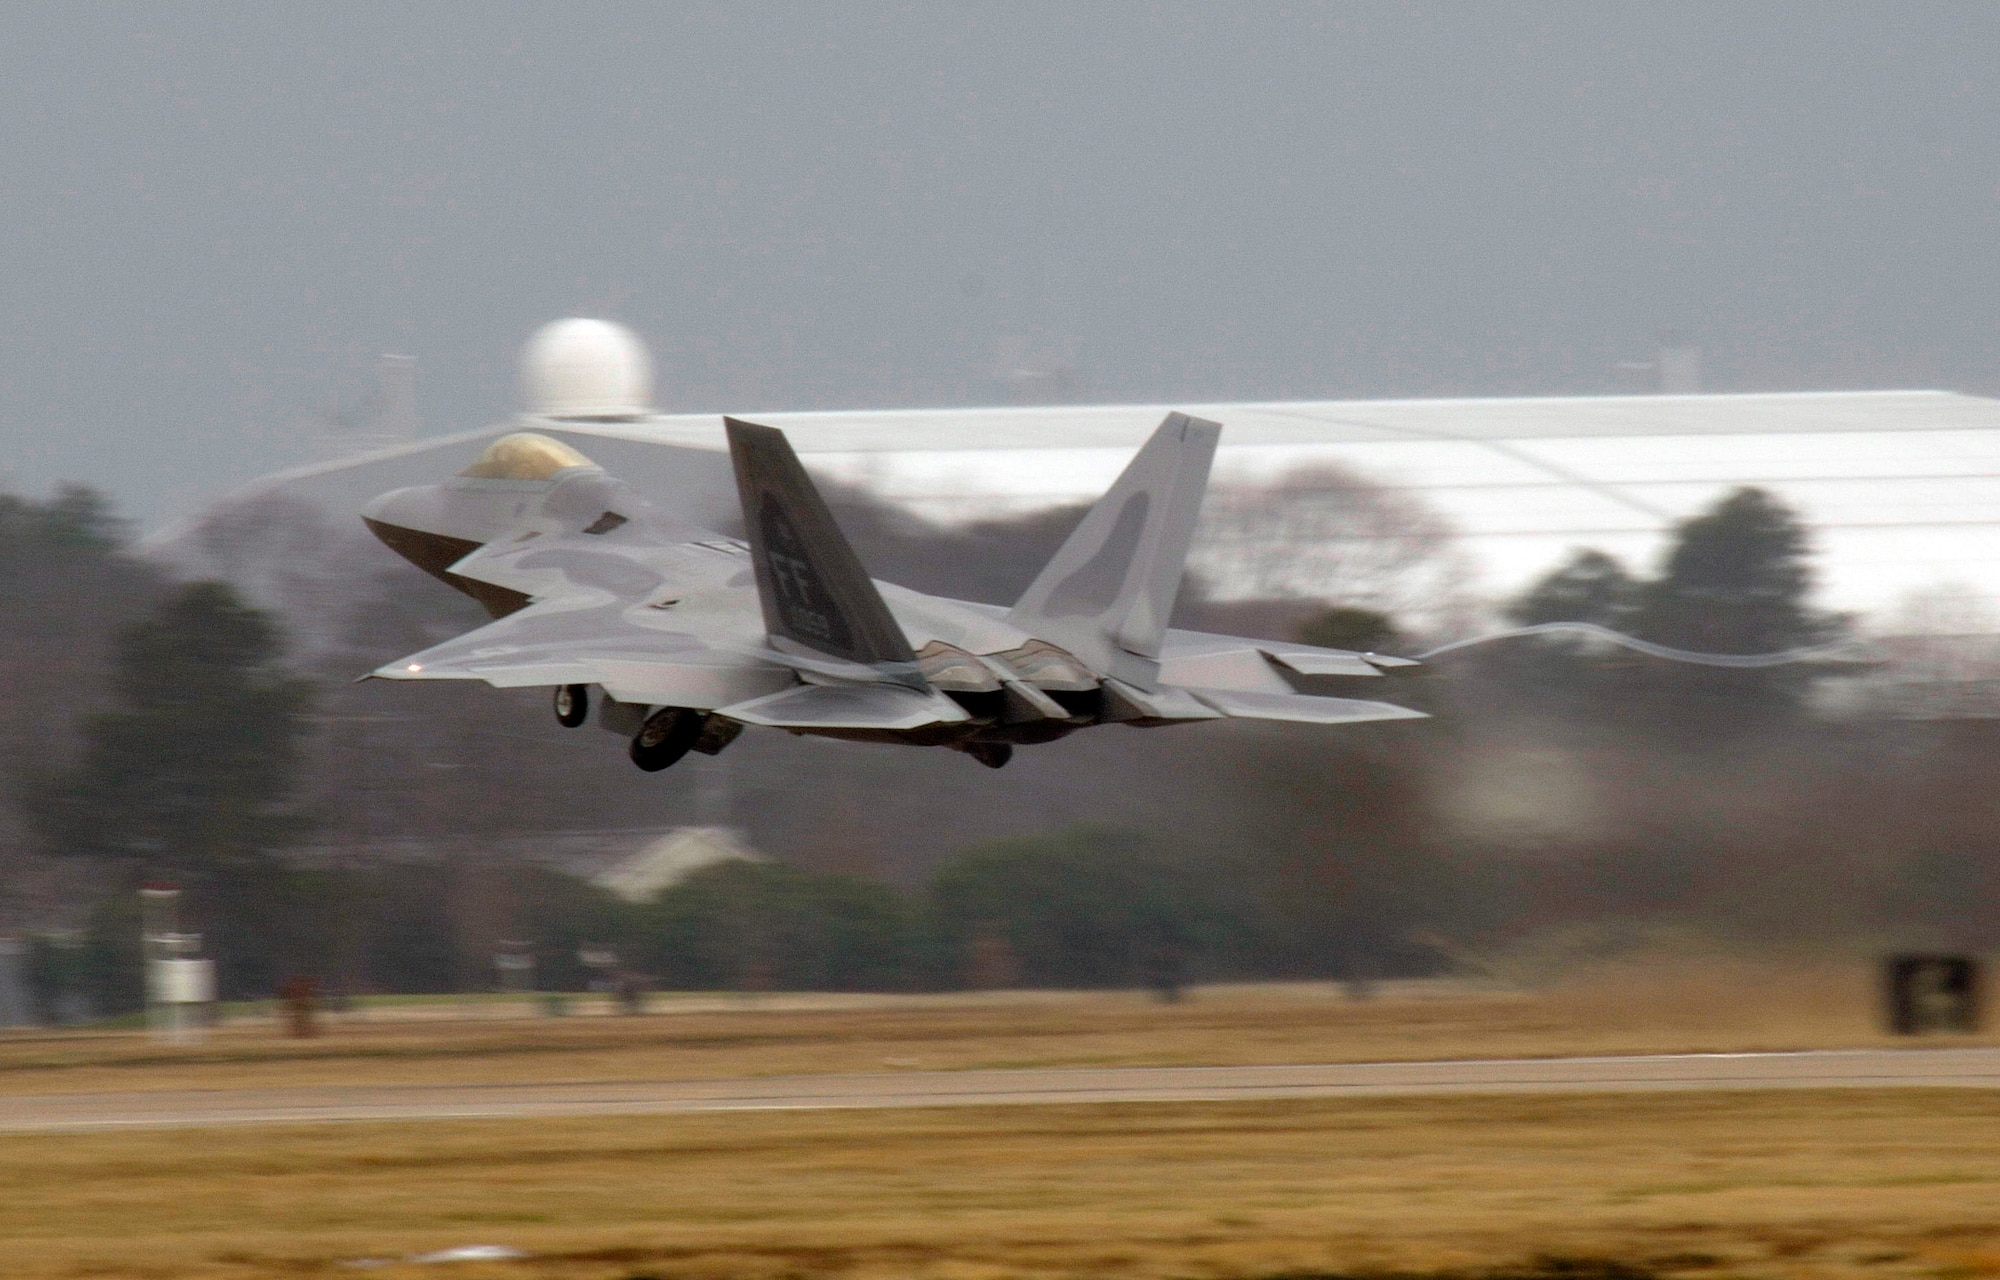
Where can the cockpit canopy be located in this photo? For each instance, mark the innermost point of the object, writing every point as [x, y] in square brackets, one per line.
[525, 455]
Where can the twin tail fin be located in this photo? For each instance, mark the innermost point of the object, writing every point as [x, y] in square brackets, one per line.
[1107, 594]
[814, 590]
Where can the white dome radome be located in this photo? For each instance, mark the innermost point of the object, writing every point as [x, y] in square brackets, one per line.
[580, 368]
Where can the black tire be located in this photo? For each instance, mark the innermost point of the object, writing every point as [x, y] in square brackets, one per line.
[666, 736]
[994, 755]
[572, 704]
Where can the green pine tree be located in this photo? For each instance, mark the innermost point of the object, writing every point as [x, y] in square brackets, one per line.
[1353, 627]
[1590, 586]
[1561, 670]
[190, 775]
[1737, 580]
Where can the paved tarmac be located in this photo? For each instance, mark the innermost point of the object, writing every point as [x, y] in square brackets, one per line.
[1976, 1068]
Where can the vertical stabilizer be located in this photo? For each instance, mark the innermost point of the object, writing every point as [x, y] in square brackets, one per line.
[1106, 594]
[814, 591]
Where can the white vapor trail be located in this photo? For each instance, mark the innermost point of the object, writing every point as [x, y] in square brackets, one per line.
[1783, 657]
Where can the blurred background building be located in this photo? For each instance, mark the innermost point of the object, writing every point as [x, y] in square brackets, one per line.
[1901, 489]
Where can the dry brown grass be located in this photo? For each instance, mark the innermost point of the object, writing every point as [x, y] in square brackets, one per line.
[1658, 1006]
[1783, 1185]
[1796, 1185]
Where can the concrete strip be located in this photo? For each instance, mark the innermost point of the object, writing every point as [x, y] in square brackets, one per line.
[1976, 1068]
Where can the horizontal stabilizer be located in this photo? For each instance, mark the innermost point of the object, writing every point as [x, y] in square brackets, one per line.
[1323, 664]
[1301, 708]
[1164, 705]
[1328, 662]
[851, 706]
[1199, 660]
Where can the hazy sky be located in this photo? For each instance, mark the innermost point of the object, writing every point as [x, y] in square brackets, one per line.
[217, 216]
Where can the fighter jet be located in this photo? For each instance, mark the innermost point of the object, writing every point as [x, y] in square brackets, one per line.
[687, 635]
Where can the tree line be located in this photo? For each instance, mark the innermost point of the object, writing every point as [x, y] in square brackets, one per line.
[170, 729]
[1080, 908]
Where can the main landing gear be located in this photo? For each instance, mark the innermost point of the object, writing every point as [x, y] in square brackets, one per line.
[991, 754]
[667, 735]
[572, 704]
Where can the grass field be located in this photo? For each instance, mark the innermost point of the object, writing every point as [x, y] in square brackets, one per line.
[1782, 1185]
[1708, 1005]
[1883, 1185]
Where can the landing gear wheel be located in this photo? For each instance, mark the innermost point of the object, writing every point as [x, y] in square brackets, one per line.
[572, 704]
[991, 754]
[665, 737]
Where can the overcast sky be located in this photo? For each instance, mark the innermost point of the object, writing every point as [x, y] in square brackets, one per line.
[217, 217]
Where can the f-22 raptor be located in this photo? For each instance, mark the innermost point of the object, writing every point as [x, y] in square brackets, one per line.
[689, 635]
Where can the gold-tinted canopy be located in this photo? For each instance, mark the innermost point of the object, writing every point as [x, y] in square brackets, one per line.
[525, 455]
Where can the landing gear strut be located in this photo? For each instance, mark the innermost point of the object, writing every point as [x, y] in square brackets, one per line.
[572, 704]
[666, 737]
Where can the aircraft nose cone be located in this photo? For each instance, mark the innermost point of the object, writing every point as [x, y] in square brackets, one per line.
[406, 508]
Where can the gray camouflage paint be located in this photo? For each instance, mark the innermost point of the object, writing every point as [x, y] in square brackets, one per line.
[789, 631]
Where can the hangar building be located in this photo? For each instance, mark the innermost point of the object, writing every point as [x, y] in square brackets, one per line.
[1901, 488]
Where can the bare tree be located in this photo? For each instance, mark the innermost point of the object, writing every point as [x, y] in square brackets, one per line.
[1328, 532]
[289, 555]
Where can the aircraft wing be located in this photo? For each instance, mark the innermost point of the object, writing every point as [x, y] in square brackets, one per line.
[567, 641]
[645, 613]
[854, 706]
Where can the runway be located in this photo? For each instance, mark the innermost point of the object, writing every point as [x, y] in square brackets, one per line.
[1975, 1068]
